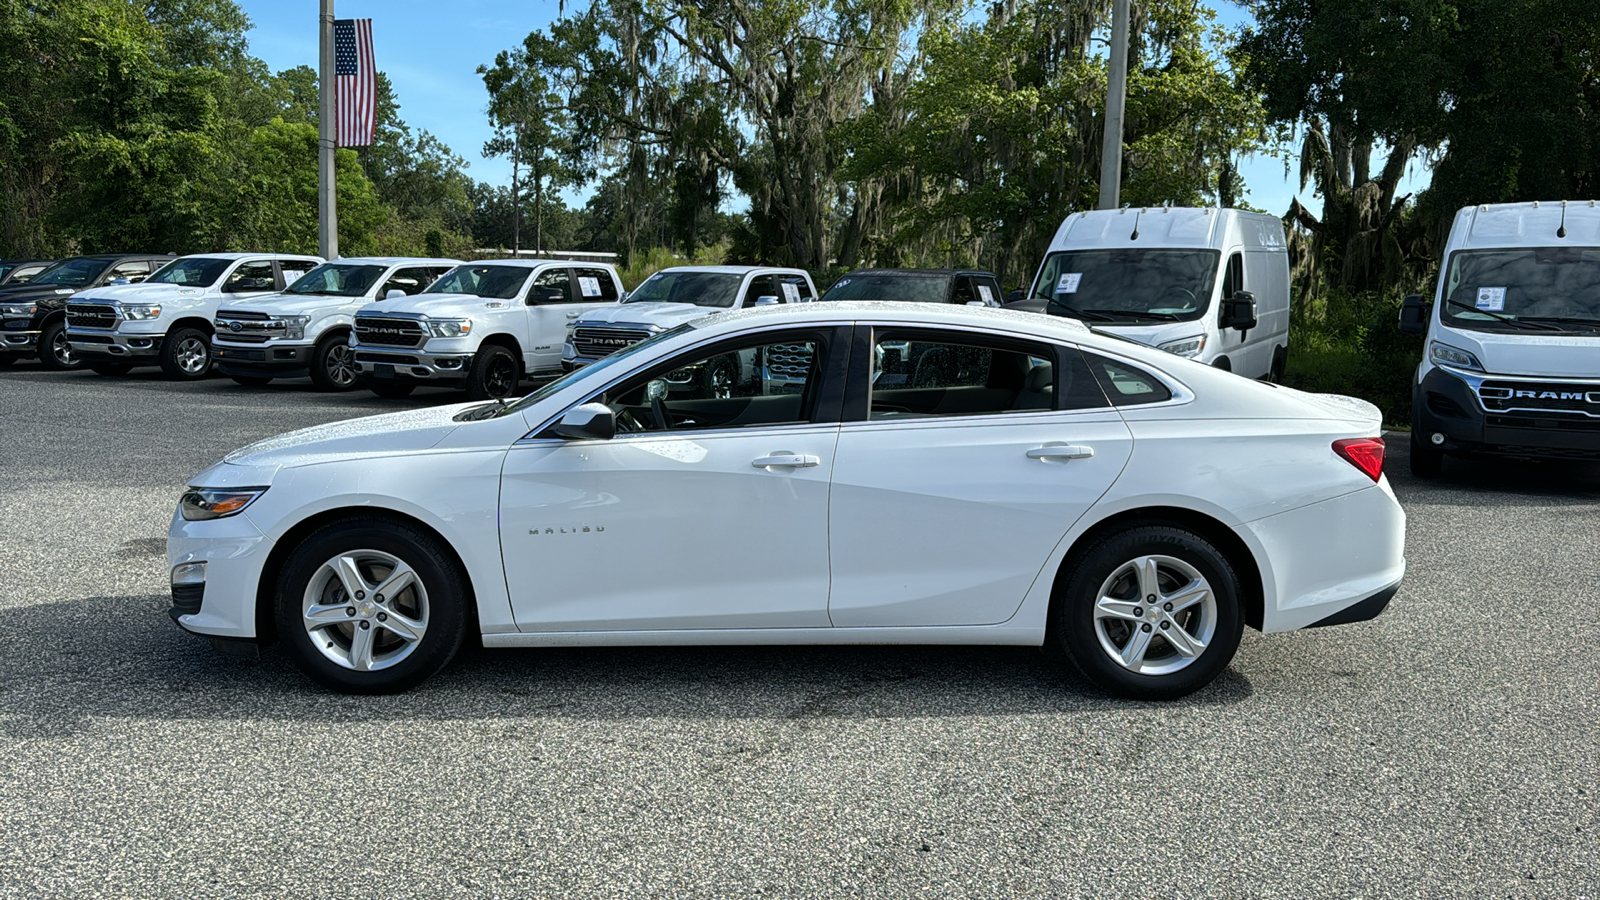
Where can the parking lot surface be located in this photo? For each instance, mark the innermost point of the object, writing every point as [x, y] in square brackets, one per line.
[1449, 748]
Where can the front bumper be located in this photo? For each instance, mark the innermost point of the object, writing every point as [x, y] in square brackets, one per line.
[412, 364]
[19, 343]
[223, 605]
[273, 358]
[1446, 402]
[112, 345]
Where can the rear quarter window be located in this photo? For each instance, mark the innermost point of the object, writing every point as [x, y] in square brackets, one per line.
[1126, 385]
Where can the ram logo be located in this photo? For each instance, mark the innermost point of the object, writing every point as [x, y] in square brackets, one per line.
[1577, 396]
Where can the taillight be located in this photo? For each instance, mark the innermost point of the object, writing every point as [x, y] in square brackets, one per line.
[1365, 454]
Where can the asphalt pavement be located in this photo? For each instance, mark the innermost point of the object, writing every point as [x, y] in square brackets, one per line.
[1450, 748]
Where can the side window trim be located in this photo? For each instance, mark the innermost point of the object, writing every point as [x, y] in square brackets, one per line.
[858, 398]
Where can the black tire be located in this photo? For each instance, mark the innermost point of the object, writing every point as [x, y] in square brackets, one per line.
[114, 369]
[440, 606]
[1162, 673]
[252, 380]
[55, 353]
[1223, 363]
[333, 364]
[494, 374]
[720, 378]
[392, 388]
[1280, 362]
[1427, 461]
[186, 354]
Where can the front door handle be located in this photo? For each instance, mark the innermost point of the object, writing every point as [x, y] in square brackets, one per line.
[787, 461]
[1061, 451]
[574, 315]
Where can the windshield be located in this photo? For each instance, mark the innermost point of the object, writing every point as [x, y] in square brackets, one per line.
[577, 375]
[1495, 290]
[1165, 285]
[904, 287]
[71, 272]
[718, 289]
[335, 280]
[499, 282]
[198, 271]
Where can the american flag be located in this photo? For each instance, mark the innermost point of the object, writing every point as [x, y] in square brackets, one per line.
[355, 82]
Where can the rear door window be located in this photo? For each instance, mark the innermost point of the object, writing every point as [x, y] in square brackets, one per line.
[596, 286]
[793, 289]
[292, 269]
[931, 373]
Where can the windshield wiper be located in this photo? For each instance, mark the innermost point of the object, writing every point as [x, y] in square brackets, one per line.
[1591, 324]
[1138, 314]
[1509, 320]
[1092, 315]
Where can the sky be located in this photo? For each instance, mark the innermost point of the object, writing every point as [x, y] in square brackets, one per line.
[432, 60]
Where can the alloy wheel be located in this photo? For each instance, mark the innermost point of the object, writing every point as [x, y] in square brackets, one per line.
[192, 355]
[61, 348]
[1155, 615]
[340, 364]
[365, 610]
[501, 377]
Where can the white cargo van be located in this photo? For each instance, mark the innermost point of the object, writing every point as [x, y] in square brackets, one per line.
[1210, 284]
[1512, 364]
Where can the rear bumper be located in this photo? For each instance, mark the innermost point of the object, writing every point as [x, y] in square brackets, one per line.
[276, 360]
[1445, 403]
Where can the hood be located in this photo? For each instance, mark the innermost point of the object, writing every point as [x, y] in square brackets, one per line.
[441, 305]
[385, 435]
[296, 304]
[30, 293]
[666, 315]
[143, 293]
[1154, 334]
[1529, 353]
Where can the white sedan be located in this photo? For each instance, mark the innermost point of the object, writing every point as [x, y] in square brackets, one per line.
[884, 473]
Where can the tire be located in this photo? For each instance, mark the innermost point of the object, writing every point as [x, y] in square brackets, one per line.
[114, 369]
[1102, 609]
[404, 638]
[720, 378]
[333, 366]
[1223, 363]
[1427, 461]
[55, 353]
[1280, 362]
[494, 374]
[392, 388]
[6, 361]
[252, 380]
[186, 354]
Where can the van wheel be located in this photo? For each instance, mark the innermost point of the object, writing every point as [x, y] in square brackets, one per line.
[493, 375]
[1223, 364]
[1427, 461]
[1280, 362]
[333, 364]
[186, 354]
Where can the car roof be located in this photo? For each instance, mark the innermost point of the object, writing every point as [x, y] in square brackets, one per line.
[912, 314]
[533, 263]
[1532, 224]
[396, 261]
[917, 272]
[251, 256]
[734, 270]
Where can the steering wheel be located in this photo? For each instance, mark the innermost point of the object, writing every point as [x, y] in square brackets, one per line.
[626, 419]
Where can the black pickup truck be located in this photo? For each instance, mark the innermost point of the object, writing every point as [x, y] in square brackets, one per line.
[33, 314]
[960, 286]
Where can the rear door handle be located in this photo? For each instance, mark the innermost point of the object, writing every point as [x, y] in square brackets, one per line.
[787, 461]
[1061, 451]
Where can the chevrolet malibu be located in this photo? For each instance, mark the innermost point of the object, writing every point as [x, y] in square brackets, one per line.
[881, 474]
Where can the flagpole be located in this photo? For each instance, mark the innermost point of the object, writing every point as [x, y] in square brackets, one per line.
[327, 211]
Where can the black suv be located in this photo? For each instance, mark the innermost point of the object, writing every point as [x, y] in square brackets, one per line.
[960, 286]
[33, 314]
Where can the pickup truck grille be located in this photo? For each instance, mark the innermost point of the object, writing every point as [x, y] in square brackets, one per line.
[387, 332]
[595, 341]
[789, 361]
[86, 316]
[1545, 397]
[243, 326]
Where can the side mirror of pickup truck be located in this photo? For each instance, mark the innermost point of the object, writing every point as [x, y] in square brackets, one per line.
[1414, 313]
[546, 294]
[394, 294]
[767, 300]
[1239, 311]
[589, 422]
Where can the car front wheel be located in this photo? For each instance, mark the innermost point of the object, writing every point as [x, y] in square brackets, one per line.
[333, 364]
[1152, 612]
[55, 351]
[494, 374]
[371, 606]
[186, 354]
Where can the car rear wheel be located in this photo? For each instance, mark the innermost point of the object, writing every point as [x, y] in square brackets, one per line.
[333, 364]
[1427, 461]
[186, 354]
[493, 375]
[1152, 612]
[55, 351]
[371, 606]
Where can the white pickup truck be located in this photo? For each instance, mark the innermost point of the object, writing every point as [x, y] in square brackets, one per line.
[306, 329]
[166, 320]
[482, 326]
[673, 296]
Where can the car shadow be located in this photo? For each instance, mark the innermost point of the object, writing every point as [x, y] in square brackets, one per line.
[70, 662]
[1464, 480]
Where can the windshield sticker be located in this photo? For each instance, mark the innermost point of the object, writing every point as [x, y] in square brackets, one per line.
[791, 292]
[986, 294]
[1069, 283]
[1492, 299]
[589, 286]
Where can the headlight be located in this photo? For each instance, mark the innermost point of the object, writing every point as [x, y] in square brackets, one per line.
[1446, 355]
[294, 327]
[449, 327]
[1190, 347]
[17, 310]
[199, 504]
[135, 312]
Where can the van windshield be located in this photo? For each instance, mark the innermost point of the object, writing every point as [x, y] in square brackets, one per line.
[1129, 285]
[1513, 289]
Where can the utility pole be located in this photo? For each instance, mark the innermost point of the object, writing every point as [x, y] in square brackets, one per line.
[1116, 102]
[327, 209]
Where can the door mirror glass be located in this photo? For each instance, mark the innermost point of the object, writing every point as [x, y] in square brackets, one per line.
[1414, 312]
[766, 300]
[1239, 311]
[589, 422]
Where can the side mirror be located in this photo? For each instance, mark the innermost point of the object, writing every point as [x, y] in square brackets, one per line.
[767, 300]
[1415, 311]
[1239, 311]
[394, 294]
[656, 389]
[546, 294]
[589, 422]
[1014, 296]
[976, 303]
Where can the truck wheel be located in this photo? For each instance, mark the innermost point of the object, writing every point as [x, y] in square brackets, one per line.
[392, 388]
[371, 606]
[333, 364]
[251, 380]
[493, 375]
[186, 354]
[55, 352]
[719, 378]
[110, 368]
[1427, 461]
